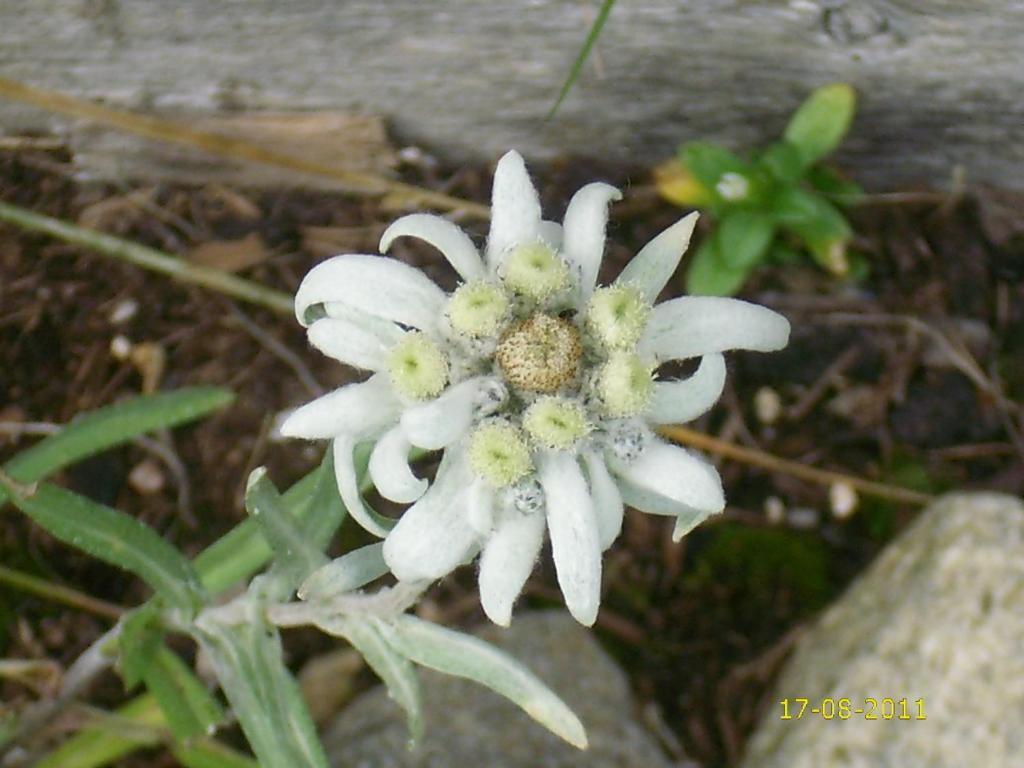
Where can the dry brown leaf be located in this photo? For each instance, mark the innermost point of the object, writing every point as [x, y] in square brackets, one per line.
[231, 255]
[234, 201]
[149, 360]
[112, 213]
[327, 241]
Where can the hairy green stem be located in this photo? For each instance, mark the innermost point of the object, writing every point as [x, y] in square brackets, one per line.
[148, 258]
[59, 593]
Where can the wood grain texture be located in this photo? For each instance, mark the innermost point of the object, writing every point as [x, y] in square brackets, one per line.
[940, 80]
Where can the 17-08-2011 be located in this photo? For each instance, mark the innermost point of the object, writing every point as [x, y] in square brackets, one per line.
[844, 708]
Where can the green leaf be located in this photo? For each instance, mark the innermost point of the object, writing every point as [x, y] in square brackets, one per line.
[104, 428]
[97, 745]
[234, 557]
[343, 574]
[241, 552]
[295, 556]
[709, 275]
[207, 753]
[138, 641]
[249, 663]
[781, 253]
[860, 267]
[584, 52]
[115, 538]
[743, 238]
[189, 708]
[835, 186]
[819, 224]
[465, 656]
[394, 669]
[709, 162]
[326, 509]
[821, 122]
[783, 161]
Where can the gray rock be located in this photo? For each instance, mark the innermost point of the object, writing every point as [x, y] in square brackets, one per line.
[939, 617]
[468, 725]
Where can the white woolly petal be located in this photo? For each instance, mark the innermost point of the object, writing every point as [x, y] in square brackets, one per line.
[442, 421]
[433, 537]
[362, 345]
[348, 489]
[649, 271]
[698, 325]
[354, 409]
[608, 506]
[676, 402]
[515, 209]
[507, 561]
[377, 285]
[575, 545]
[686, 523]
[551, 233]
[480, 507]
[585, 220]
[389, 469]
[675, 475]
[454, 244]
[687, 518]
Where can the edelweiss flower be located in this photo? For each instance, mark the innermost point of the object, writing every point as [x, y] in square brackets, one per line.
[538, 385]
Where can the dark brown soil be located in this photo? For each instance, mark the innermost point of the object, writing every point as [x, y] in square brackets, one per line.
[701, 627]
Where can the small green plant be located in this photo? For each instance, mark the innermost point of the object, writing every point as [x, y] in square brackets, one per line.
[775, 205]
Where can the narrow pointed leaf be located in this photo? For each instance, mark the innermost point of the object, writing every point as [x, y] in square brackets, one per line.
[138, 641]
[263, 694]
[295, 555]
[343, 574]
[465, 656]
[242, 551]
[583, 54]
[207, 753]
[115, 538]
[393, 668]
[189, 708]
[112, 425]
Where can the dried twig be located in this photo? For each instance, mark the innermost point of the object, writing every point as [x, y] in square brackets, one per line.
[784, 466]
[278, 350]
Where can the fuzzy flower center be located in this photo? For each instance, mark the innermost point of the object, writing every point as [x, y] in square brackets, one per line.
[556, 423]
[540, 354]
[535, 270]
[617, 315]
[624, 385]
[418, 367]
[477, 309]
[499, 454]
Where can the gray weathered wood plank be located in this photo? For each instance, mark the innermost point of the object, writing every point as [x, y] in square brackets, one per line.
[941, 80]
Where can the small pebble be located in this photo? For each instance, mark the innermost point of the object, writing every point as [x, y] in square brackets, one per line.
[146, 477]
[842, 499]
[124, 311]
[774, 510]
[803, 518]
[120, 347]
[767, 405]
